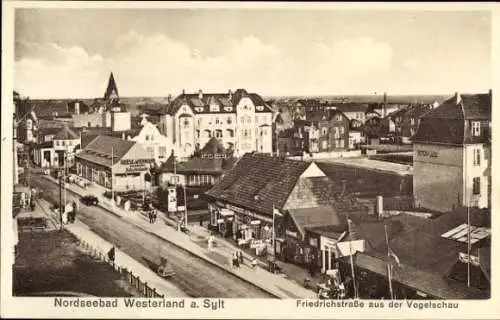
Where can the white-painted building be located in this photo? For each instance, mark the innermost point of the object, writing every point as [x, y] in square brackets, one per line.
[452, 154]
[241, 120]
[157, 146]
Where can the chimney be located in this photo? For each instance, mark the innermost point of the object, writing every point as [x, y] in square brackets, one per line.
[183, 92]
[380, 206]
[77, 107]
[123, 136]
[200, 94]
[490, 92]
[458, 98]
[231, 94]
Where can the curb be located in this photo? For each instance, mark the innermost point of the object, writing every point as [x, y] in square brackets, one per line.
[186, 250]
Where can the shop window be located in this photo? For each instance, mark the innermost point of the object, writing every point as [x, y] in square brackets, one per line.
[151, 152]
[476, 186]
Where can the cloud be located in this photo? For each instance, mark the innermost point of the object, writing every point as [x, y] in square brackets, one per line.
[157, 65]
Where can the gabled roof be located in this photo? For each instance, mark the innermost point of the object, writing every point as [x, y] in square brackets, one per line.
[66, 134]
[102, 147]
[168, 166]
[446, 124]
[258, 176]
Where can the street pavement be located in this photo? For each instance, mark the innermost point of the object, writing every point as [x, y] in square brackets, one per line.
[82, 232]
[194, 275]
[195, 243]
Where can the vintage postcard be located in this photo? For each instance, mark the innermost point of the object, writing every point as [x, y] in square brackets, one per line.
[249, 160]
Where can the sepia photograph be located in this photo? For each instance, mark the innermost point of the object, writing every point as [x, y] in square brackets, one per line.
[191, 156]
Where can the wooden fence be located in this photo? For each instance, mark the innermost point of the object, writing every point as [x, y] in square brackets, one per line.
[135, 281]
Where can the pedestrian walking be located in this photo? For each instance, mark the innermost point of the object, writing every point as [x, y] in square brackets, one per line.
[254, 263]
[155, 215]
[240, 256]
[32, 205]
[210, 242]
[201, 220]
[235, 260]
[150, 216]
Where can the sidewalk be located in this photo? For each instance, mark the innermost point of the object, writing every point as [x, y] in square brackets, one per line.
[82, 232]
[196, 243]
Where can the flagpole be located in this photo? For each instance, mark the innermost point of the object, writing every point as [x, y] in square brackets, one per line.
[351, 258]
[112, 184]
[388, 264]
[468, 247]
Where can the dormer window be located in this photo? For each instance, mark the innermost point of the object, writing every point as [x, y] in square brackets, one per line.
[186, 123]
[214, 108]
[228, 109]
[260, 108]
[476, 128]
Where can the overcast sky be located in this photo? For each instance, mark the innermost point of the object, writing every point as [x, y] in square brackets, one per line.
[68, 53]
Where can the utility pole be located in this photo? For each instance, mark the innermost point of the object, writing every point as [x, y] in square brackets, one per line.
[61, 181]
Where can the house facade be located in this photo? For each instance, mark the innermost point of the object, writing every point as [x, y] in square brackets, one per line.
[452, 154]
[242, 120]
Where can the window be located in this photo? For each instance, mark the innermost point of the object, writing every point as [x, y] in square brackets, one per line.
[324, 144]
[186, 122]
[477, 157]
[338, 117]
[199, 122]
[412, 121]
[229, 121]
[476, 185]
[162, 152]
[324, 131]
[217, 120]
[197, 133]
[151, 152]
[146, 137]
[218, 133]
[476, 128]
[342, 143]
[230, 133]
[342, 130]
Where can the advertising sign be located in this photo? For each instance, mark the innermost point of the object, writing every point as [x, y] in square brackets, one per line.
[172, 199]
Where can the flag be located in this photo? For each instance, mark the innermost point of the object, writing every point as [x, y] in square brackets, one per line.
[394, 257]
[276, 212]
[351, 228]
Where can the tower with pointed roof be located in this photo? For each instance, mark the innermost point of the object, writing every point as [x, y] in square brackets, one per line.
[111, 93]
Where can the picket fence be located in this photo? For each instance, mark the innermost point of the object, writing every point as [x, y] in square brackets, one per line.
[141, 286]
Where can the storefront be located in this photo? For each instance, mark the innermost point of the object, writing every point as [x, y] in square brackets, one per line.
[129, 170]
[244, 226]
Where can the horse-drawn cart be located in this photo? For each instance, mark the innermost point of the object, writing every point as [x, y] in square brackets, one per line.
[165, 270]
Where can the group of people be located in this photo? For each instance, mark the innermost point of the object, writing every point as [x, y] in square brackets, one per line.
[152, 216]
[237, 259]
